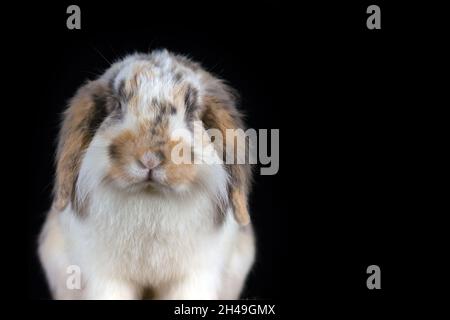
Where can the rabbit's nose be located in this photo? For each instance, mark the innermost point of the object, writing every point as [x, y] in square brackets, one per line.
[149, 160]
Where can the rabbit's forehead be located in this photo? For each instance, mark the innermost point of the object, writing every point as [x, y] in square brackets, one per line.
[143, 82]
[155, 96]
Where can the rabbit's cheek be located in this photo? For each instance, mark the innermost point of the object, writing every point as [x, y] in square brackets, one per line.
[118, 175]
[180, 175]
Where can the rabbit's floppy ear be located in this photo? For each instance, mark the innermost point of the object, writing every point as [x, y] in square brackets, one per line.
[84, 115]
[220, 113]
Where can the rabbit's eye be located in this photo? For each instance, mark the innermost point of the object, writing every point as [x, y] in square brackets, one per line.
[190, 101]
[112, 104]
[115, 107]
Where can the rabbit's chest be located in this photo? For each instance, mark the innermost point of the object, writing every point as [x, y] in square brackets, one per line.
[145, 233]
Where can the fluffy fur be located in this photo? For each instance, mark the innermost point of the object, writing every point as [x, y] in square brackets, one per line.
[128, 216]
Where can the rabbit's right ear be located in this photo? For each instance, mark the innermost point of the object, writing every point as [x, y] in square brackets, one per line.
[86, 111]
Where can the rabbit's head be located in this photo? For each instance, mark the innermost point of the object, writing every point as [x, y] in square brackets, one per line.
[133, 128]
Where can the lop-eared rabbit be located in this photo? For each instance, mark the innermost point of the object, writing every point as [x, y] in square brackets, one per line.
[128, 216]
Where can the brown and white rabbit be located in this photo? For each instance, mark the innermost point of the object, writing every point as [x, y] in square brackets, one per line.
[126, 215]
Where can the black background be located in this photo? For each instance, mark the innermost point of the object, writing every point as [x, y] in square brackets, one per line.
[339, 93]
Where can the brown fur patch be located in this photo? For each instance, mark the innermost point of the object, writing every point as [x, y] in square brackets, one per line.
[239, 199]
[178, 173]
[221, 114]
[85, 113]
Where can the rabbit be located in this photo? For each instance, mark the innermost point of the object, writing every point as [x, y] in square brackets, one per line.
[131, 219]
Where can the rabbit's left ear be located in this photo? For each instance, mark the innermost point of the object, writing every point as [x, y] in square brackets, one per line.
[84, 115]
[220, 113]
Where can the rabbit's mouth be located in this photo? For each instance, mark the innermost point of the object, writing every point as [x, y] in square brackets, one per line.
[152, 184]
